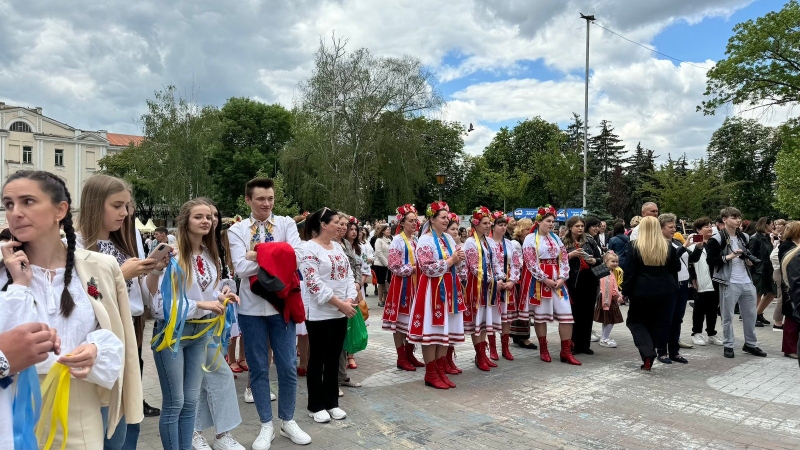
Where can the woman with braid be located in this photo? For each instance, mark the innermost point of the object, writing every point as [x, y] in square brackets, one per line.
[82, 294]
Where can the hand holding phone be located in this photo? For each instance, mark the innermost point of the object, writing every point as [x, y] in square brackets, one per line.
[697, 238]
[160, 252]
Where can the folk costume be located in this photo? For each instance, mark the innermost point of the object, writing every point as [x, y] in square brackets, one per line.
[511, 260]
[482, 294]
[402, 289]
[546, 258]
[439, 301]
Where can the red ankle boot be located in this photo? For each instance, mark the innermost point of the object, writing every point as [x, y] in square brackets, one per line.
[411, 358]
[441, 363]
[480, 357]
[492, 347]
[402, 360]
[506, 351]
[544, 353]
[566, 353]
[450, 368]
[432, 378]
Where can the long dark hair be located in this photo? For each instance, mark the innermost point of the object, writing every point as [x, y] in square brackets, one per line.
[355, 244]
[55, 187]
[314, 222]
[223, 254]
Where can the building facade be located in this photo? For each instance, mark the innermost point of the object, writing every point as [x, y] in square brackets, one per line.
[30, 140]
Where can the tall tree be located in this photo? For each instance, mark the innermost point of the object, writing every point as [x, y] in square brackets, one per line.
[606, 151]
[762, 64]
[640, 166]
[617, 194]
[786, 169]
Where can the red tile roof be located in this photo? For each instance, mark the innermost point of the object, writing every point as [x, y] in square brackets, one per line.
[123, 140]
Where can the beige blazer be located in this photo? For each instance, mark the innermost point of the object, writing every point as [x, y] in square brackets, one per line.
[113, 313]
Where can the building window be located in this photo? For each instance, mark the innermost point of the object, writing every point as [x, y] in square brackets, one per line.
[27, 155]
[90, 160]
[20, 126]
[59, 157]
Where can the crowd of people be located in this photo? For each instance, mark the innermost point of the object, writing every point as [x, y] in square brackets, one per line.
[234, 295]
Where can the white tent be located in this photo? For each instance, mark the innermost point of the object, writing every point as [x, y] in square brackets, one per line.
[139, 224]
[149, 228]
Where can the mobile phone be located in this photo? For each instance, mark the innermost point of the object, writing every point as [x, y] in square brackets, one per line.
[697, 238]
[160, 252]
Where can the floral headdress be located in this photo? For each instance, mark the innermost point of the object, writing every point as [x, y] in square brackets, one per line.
[228, 222]
[543, 211]
[479, 213]
[453, 217]
[405, 209]
[353, 220]
[499, 215]
[435, 207]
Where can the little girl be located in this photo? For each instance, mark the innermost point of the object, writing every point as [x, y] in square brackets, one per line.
[607, 310]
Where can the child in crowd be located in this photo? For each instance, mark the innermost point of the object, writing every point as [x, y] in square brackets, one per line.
[607, 310]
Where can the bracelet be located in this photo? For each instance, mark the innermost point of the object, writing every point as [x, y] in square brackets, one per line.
[157, 272]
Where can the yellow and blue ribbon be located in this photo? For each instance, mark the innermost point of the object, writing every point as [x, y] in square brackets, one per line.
[55, 390]
[26, 409]
[220, 329]
[405, 289]
[452, 272]
[535, 291]
[175, 306]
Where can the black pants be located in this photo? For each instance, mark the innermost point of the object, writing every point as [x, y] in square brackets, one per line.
[705, 308]
[669, 342]
[325, 343]
[647, 320]
[584, 298]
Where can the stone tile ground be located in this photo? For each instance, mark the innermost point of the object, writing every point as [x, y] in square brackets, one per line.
[711, 403]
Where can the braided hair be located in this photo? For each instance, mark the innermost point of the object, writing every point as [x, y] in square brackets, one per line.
[54, 186]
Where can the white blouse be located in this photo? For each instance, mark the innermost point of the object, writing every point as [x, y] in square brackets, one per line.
[41, 302]
[204, 288]
[326, 273]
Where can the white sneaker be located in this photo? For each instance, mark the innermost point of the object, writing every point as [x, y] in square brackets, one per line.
[272, 396]
[291, 430]
[320, 416]
[714, 340]
[248, 395]
[265, 437]
[337, 413]
[595, 336]
[199, 442]
[226, 442]
[611, 343]
[603, 343]
[697, 339]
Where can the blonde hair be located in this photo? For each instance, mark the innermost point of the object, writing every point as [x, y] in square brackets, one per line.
[651, 244]
[635, 221]
[610, 255]
[185, 244]
[93, 201]
[522, 225]
[792, 231]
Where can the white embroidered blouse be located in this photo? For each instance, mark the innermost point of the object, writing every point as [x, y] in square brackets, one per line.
[202, 289]
[326, 273]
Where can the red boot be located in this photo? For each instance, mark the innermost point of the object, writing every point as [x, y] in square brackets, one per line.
[411, 358]
[506, 351]
[402, 360]
[451, 368]
[441, 363]
[544, 353]
[492, 347]
[566, 353]
[480, 357]
[432, 378]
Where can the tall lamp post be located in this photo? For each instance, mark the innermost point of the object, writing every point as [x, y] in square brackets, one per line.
[589, 20]
[441, 178]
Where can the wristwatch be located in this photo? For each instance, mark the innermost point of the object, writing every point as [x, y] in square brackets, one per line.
[5, 372]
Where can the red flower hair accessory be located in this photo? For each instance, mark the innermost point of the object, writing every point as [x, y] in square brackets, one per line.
[479, 213]
[228, 222]
[405, 209]
[435, 207]
[498, 215]
[353, 220]
[454, 217]
[544, 211]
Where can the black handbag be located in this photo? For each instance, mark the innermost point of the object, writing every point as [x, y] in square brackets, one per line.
[601, 271]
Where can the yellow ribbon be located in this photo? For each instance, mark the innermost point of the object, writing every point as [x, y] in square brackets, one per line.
[410, 259]
[55, 393]
[218, 324]
[479, 244]
[168, 332]
[540, 284]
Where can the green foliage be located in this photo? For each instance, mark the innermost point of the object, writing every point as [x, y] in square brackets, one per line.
[605, 151]
[252, 134]
[786, 168]
[762, 64]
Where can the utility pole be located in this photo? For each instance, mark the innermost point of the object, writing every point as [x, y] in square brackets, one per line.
[589, 20]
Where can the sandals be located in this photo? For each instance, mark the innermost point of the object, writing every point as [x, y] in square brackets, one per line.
[243, 364]
[235, 368]
[351, 363]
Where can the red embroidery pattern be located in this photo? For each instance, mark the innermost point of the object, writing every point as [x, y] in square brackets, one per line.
[340, 268]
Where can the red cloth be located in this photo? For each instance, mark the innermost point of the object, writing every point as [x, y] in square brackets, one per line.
[278, 260]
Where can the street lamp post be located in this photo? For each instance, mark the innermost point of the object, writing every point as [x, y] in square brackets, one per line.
[441, 178]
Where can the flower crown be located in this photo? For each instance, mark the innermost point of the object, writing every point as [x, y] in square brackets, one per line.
[479, 213]
[453, 217]
[403, 210]
[435, 207]
[228, 222]
[544, 211]
[498, 215]
[353, 220]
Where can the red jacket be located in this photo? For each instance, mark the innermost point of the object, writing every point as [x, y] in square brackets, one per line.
[277, 280]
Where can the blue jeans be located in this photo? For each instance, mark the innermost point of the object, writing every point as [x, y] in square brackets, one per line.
[120, 433]
[257, 330]
[181, 375]
[219, 403]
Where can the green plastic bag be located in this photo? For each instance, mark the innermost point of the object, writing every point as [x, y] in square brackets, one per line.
[356, 338]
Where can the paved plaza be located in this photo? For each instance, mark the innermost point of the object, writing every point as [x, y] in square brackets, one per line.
[608, 403]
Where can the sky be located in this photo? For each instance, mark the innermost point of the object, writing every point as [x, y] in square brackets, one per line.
[497, 62]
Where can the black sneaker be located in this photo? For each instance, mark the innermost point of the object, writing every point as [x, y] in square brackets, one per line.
[760, 319]
[755, 351]
[758, 324]
[728, 353]
[149, 411]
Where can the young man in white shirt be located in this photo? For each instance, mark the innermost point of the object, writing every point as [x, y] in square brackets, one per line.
[259, 321]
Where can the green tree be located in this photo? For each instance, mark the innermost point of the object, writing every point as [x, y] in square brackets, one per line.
[284, 203]
[251, 137]
[697, 192]
[762, 64]
[786, 169]
[131, 165]
[605, 151]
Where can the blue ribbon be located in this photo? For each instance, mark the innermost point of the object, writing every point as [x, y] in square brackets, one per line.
[404, 286]
[26, 409]
[173, 269]
[532, 289]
